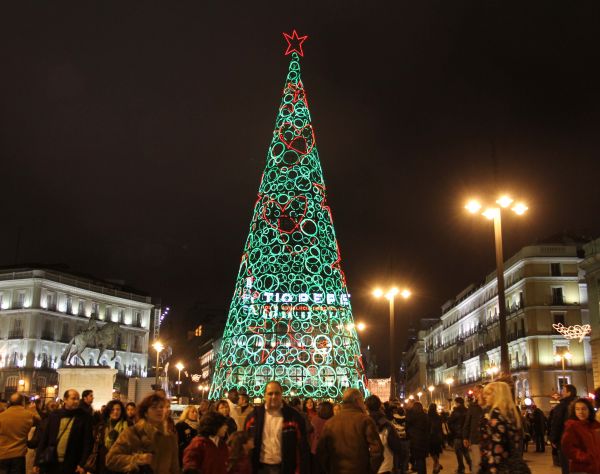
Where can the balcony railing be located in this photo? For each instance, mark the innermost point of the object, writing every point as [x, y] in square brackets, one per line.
[15, 334]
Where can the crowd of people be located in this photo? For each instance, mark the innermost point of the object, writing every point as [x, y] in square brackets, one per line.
[487, 432]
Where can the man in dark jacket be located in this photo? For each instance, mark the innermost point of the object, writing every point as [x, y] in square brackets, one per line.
[559, 417]
[349, 443]
[472, 426]
[418, 430]
[456, 423]
[539, 430]
[69, 432]
[279, 432]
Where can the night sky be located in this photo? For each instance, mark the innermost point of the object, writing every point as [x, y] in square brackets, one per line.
[133, 138]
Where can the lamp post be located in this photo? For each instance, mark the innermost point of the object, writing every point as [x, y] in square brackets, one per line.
[561, 358]
[391, 296]
[431, 388]
[158, 347]
[419, 395]
[179, 367]
[449, 382]
[495, 213]
[491, 371]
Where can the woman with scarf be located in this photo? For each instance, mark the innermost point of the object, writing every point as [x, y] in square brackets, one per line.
[187, 428]
[114, 421]
[580, 441]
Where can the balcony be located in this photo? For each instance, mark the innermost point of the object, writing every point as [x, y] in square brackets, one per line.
[47, 336]
[15, 334]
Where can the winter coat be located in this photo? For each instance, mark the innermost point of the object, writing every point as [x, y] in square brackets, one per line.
[317, 424]
[295, 452]
[204, 456]
[350, 443]
[185, 435]
[559, 417]
[142, 438]
[15, 423]
[539, 422]
[472, 423]
[456, 422]
[417, 430]
[436, 434]
[500, 444]
[384, 424]
[79, 444]
[581, 444]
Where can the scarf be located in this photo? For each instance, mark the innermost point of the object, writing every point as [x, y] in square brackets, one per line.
[192, 424]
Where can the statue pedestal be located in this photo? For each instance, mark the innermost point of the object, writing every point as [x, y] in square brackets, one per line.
[99, 379]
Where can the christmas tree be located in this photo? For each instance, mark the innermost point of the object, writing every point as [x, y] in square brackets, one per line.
[290, 318]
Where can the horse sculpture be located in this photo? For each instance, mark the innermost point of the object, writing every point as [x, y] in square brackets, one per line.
[102, 339]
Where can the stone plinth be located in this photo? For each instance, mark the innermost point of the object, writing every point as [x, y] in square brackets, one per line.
[99, 379]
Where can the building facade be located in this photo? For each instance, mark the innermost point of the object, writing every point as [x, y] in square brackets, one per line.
[543, 287]
[416, 365]
[42, 310]
[591, 267]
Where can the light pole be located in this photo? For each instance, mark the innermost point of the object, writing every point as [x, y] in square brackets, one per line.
[158, 347]
[495, 213]
[179, 367]
[391, 296]
[449, 382]
[491, 371]
[419, 395]
[431, 388]
[561, 358]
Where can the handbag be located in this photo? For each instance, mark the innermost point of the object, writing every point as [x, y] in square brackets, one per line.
[49, 455]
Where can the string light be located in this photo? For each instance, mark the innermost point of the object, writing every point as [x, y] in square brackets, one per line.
[290, 317]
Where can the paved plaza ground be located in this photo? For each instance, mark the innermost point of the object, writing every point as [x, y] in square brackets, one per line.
[539, 463]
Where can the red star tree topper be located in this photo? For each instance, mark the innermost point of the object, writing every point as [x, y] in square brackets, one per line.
[294, 43]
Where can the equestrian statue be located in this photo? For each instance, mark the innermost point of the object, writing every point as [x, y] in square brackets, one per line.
[101, 338]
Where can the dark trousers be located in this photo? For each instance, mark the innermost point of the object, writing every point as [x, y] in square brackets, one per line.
[540, 443]
[269, 469]
[564, 461]
[420, 466]
[461, 452]
[12, 465]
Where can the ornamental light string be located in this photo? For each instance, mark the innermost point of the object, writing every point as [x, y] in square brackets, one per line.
[290, 317]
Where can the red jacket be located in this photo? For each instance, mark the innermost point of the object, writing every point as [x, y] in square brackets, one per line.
[202, 455]
[581, 444]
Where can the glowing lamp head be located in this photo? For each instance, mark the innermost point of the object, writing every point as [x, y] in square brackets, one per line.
[431, 388]
[520, 208]
[179, 366]
[361, 326]
[473, 206]
[391, 293]
[557, 358]
[419, 394]
[405, 293]
[528, 402]
[504, 201]
[21, 382]
[158, 347]
[377, 292]
[449, 381]
[490, 213]
[411, 397]
[568, 355]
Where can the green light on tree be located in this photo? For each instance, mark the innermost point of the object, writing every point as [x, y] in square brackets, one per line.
[290, 317]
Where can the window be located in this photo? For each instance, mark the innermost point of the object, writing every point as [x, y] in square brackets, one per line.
[557, 296]
[137, 346]
[108, 313]
[1, 300]
[20, 300]
[137, 320]
[559, 318]
[69, 304]
[95, 310]
[555, 269]
[81, 308]
[121, 316]
[65, 336]
[562, 380]
[50, 302]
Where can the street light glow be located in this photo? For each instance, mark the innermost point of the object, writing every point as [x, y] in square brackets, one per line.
[405, 293]
[504, 201]
[378, 293]
[568, 355]
[473, 206]
[361, 326]
[158, 347]
[391, 293]
[490, 213]
[557, 358]
[431, 388]
[179, 366]
[449, 381]
[520, 208]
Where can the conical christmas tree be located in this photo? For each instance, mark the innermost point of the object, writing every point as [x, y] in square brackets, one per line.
[290, 318]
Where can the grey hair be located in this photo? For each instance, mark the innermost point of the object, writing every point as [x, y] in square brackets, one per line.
[352, 396]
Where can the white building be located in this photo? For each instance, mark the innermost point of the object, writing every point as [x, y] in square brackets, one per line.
[544, 286]
[41, 310]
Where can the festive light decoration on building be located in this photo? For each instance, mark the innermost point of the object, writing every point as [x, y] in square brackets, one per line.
[290, 318]
[573, 332]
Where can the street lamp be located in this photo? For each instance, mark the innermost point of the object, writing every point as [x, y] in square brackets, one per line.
[158, 347]
[431, 388]
[419, 395]
[179, 367]
[361, 326]
[391, 296]
[449, 382]
[491, 371]
[495, 213]
[561, 358]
